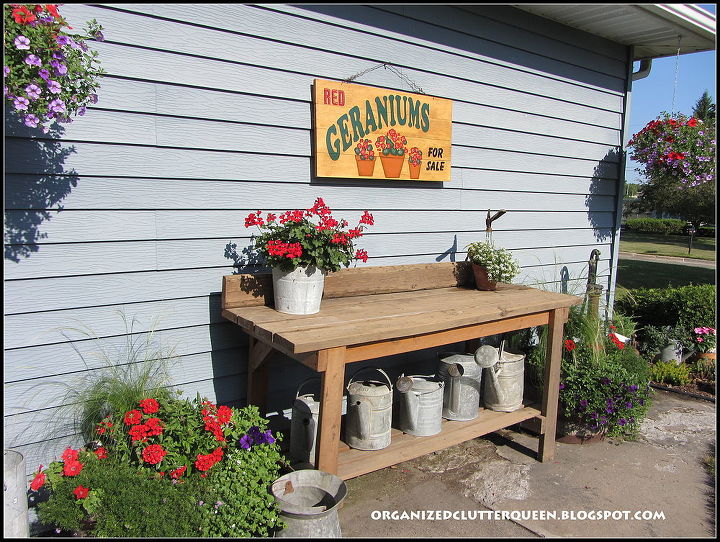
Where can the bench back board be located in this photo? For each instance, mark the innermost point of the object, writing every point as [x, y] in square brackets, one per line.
[249, 290]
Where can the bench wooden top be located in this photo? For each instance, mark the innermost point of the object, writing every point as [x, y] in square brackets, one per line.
[422, 305]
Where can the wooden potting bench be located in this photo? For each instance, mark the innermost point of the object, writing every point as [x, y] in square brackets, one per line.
[371, 312]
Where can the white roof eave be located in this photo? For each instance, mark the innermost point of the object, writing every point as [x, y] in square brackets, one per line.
[655, 30]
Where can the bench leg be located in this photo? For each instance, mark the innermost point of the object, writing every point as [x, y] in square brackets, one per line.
[332, 364]
[257, 379]
[551, 388]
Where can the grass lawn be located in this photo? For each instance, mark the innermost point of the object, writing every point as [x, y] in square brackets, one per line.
[667, 245]
[638, 274]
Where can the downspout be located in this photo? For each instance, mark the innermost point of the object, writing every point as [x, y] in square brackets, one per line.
[643, 71]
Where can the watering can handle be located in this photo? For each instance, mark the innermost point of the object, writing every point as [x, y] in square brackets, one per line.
[310, 435]
[311, 379]
[374, 369]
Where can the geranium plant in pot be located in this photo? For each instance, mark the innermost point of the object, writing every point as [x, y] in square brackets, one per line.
[704, 340]
[365, 158]
[49, 74]
[166, 468]
[491, 265]
[302, 246]
[391, 148]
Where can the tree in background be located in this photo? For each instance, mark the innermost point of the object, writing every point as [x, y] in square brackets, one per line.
[705, 109]
[678, 158]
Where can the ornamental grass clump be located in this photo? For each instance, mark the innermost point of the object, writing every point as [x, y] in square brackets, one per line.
[49, 74]
[307, 237]
[678, 148]
[500, 264]
[170, 468]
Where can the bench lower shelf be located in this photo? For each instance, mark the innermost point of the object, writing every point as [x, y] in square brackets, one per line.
[352, 462]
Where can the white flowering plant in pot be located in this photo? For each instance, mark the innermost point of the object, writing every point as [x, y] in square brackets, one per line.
[499, 263]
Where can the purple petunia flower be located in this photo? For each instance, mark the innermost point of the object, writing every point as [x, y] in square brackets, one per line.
[58, 55]
[44, 74]
[31, 120]
[562, 386]
[33, 60]
[622, 421]
[94, 98]
[61, 69]
[6, 71]
[57, 106]
[81, 111]
[99, 36]
[63, 40]
[21, 42]
[584, 403]
[21, 103]
[33, 91]
[54, 87]
[245, 442]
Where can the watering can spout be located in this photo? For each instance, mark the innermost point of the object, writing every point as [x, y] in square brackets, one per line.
[404, 384]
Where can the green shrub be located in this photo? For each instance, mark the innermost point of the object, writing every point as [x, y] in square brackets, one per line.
[667, 226]
[668, 372]
[682, 309]
[703, 368]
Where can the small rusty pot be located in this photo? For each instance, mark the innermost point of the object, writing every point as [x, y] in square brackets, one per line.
[482, 280]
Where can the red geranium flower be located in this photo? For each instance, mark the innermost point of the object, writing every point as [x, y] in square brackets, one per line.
[39, 480]
[177, 473]
[153, 454]
[569, 345]
[72, 468]
[70, 455]
[149, 406]
[224, 414]
[23, 15]
[81, 492]
[52, 8]
[101, 453]
[133, 417]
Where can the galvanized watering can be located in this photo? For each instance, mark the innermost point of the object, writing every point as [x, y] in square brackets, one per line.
[462, 376]
[421, 401]
[369, 412]
[303, 425]
[504, 381]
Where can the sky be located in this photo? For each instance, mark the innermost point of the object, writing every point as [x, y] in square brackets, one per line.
[651, 96]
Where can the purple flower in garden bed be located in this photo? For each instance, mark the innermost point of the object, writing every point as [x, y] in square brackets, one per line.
[44, 74]
[255, 436]
[57, 106]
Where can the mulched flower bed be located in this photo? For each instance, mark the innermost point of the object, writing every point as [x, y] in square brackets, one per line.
[702, 388]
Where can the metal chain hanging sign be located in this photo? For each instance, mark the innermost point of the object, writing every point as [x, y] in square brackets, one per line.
[370, 132]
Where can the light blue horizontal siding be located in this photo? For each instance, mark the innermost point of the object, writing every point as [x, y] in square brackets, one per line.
[202, 121]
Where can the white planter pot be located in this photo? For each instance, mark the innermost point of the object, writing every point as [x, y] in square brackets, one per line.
[299, 291]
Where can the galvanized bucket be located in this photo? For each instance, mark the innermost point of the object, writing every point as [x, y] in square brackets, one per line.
[303, 424]
[369, 412]
[462, 377]
[421, 401]
[504, 383]
[15, 509]
[309, 501]
[298, 291]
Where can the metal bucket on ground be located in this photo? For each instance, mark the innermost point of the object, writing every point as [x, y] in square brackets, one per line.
[462, 378]
[421, 401]
[369, 412]
[309, 501]
[15, 509]
[504, 382]
[303, 424]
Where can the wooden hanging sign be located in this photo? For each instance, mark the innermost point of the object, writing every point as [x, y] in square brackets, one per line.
[374, 133]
